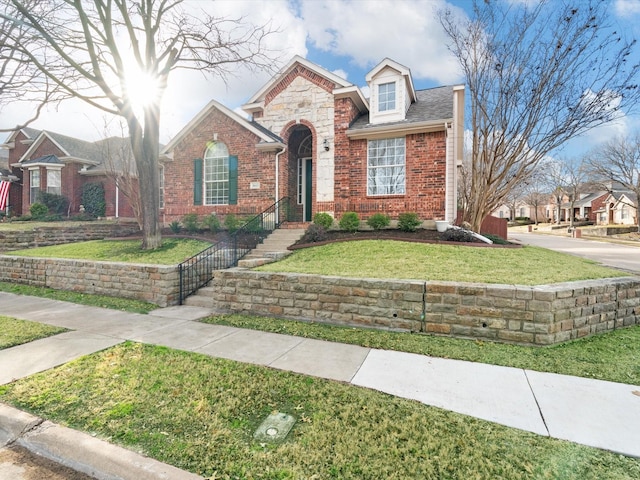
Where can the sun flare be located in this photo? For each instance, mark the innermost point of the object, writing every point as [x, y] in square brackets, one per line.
[142, 88]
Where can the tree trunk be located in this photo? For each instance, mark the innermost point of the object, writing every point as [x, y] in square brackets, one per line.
[145, 145]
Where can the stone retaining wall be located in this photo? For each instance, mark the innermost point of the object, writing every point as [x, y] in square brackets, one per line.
[540, 315]
[55, 234]
[152, 283]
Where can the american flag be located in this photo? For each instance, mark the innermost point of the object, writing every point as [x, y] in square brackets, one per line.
[4, 194]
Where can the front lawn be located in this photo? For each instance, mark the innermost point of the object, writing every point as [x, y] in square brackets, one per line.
[16, 332]
[199, 414]
[419, 261]
[173, 251]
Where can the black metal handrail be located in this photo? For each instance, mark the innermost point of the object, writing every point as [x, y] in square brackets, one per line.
[197, 271]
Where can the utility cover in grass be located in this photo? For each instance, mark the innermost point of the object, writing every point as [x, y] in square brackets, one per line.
[275, 428]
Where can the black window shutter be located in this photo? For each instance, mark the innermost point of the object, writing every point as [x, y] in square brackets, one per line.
[233, 180]
[197, 181]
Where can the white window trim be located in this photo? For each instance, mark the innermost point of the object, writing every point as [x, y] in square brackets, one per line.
[207, 199]
[403, 165]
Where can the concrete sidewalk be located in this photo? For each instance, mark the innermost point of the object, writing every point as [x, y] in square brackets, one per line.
[591, 412]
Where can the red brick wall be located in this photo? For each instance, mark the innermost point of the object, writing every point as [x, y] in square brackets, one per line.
[253, 166]
[597, 204]
[425, 177]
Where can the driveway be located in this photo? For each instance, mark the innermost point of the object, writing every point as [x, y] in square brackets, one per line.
[609, 254]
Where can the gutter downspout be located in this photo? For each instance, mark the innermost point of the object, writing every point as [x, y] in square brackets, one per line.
[284, 149]
[117, 201]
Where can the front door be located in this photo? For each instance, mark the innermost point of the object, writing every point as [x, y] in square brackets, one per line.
[305, 176]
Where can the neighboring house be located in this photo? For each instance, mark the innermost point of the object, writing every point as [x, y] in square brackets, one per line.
[619, 208]
[313, 137]
[585, 208]
[54, 163]
[522, 210]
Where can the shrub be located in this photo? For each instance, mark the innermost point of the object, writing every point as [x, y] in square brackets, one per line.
[38, 211]
[408, 222]
[457, 235]
[315, 233]
[175, 226]
[350, 222]
[378, 221]
[254, 225]
[190, 222]
[212, 223]
[93, 199]
[323, 219]
[496, 239]
[56, 204]
[231, 222]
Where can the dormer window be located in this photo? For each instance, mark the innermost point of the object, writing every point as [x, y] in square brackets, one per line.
[387, 97]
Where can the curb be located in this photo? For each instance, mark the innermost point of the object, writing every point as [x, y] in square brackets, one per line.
[80, 451]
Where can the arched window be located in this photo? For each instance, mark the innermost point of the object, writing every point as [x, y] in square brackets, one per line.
[216, 174]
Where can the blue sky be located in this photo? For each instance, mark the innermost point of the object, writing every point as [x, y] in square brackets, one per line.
[348, 37]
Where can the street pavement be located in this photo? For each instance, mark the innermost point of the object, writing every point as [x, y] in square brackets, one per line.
[591, 412]
[623, 257]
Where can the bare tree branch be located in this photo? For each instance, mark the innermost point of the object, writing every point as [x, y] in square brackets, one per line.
[538, 75]
[82, 49]
[617, 162]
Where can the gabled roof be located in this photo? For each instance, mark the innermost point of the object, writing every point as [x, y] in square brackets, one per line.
[433, 106]
[266, 137]
[70, 148]
[401, 69]
[297, 60]
[589, 198]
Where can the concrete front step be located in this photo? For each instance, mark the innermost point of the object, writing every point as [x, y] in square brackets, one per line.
[200, 299]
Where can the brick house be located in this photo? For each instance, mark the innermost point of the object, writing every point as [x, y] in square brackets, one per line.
[49, 162]
[313, 137]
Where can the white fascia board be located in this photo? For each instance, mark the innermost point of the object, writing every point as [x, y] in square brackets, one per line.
[355, 94]
[72, 159]
[270, 147]
[388, 131]
[203, 113]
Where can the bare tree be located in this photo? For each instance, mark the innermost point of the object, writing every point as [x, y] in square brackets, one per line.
[19, 82]
[618, 162]
[536, 199]
[91, 50]
[538, 75]
[569, 178]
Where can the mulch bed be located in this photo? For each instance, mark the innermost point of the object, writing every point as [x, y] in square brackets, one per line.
[421, 235]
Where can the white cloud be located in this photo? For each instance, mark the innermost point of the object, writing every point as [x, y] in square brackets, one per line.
[341, 73]
[627, 8]
[407, 31]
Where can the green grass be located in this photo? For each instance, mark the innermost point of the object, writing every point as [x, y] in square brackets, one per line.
[16, 332]
[405, 260]
[115, 303]
[199, 414]
[23, 226]
[613, 356]
[173, 251]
